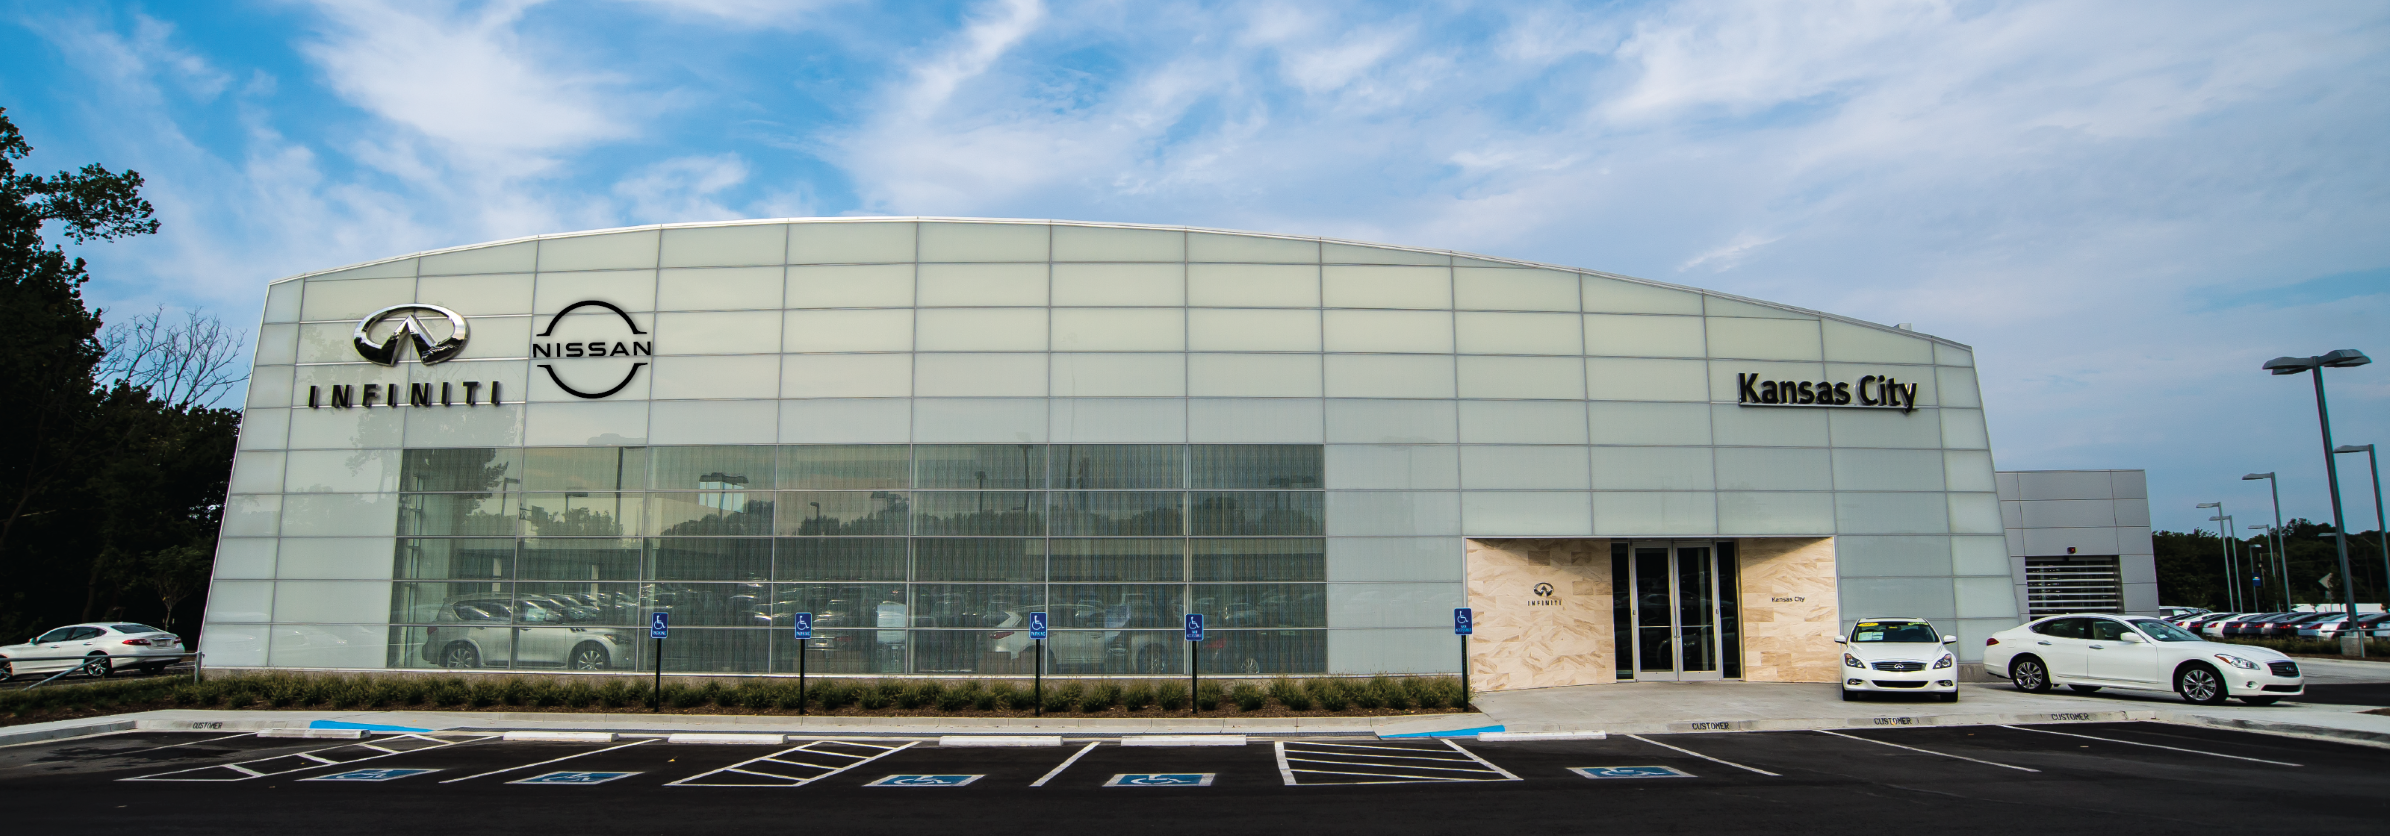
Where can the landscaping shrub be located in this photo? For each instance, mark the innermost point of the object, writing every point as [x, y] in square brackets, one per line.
[1171, 697]
[1137, 696]
[958, 696]
[986, 699]
[1208, 696]
[878, 695]
[1248, 696]
[1290, 694]
[1012, 697]
[1060, 698]
[1101, 696]
[1331, 694]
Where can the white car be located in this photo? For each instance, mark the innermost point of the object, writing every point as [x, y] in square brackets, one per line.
[98, 648]
[2090, 652]
[1898, 655]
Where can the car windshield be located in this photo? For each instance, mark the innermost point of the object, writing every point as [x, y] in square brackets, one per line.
[2165, 632]
[134, 628]
[1895, 632]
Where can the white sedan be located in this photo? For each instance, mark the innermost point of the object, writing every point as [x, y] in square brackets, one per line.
[2090, 652]
[98, 648]
[1898, 655]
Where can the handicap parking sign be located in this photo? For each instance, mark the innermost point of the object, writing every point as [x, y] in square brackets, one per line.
[1037, 625]
[1603, 772]
[574, 778]
[1167, 779]
[371, 775]
[804, 622]
[1194, 626]
[925, 781]
[1464, 622]
[658, 624]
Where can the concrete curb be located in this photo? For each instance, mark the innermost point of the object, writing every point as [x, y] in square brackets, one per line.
[43, 732]
[1892, 721]
[2360, 737]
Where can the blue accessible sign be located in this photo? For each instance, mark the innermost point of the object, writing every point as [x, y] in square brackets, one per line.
[658, 624]
[371, 775]
[1176, 779]
[1604, 772]
[1037, 625]
[925, 781]
[1194, 626]
[804, 622]
[573, 778]
[1464, 622]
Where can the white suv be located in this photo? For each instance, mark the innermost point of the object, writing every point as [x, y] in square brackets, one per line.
[1898, 655]
[2090, 652]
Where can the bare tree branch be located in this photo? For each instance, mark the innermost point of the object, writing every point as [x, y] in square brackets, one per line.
[190, 363]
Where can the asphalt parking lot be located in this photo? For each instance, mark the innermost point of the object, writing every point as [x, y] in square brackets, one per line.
[2074, 778]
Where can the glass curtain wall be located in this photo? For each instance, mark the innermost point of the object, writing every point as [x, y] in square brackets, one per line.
[913, 558]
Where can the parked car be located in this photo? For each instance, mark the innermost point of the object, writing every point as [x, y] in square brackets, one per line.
[2172, 613]
[1898, 655]
[2330, 628]
[98, 648]
[473, 631]
[2283, 628]
[2090, 652]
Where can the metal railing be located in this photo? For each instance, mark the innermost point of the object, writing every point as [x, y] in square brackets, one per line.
[92, 664]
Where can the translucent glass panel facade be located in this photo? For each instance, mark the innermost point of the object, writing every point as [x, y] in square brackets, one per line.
[912, 558]
[1447, 396]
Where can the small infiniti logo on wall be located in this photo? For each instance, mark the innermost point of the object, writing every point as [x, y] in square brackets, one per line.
[1543, 596]
[583, 346]
[1543, 590]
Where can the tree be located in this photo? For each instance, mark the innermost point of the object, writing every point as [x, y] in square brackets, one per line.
[184, 364]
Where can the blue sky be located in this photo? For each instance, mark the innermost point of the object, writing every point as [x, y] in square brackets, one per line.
[2125, 208]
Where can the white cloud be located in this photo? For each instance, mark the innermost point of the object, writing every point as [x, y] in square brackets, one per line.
[683, 189]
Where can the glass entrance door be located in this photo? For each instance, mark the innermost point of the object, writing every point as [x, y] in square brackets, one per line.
[1675, 605]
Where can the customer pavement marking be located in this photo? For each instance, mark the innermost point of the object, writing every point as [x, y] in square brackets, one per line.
[2152, 745]
[1705, 757]
[1066, 764]
[546, 762]
[792, 780]
[1928, 751]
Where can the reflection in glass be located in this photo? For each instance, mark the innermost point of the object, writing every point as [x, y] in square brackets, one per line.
[1257, 513]
[841, 652]
[1118, 514]
[840, 559]
[1116, 652]
[979, 513]
[1260, 560]
[1119, 466]
[1255, 466]
[847, 513]
[980, 466]
[580, 605]
[582, 559]
[976, 559]
[845, 466]
[717, 651]
[724, 468]
[432, 559]
[585, 468]
[458, 514]
[984, 652]
[1117, 560]
[1730, 639]
[973, 605]
[1622, 612]
[711, 604]
[1262, 604]
[462, 470]
[711, 514]
[1252, 652]
[712, 559]
[834, 605]
[582, 514]
[1116, 606]
[1655, 634]
[1694, 600]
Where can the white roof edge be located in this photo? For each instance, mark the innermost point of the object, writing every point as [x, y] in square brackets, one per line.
[1162, 227]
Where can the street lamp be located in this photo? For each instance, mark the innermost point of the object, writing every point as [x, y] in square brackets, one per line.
[2232, 560]
[2381, 533]
[2232, 596]
[2261, 562]
[2338, 359]
[2281, 566]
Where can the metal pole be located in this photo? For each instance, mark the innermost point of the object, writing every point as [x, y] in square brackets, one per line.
[1464, 671]
[2281, 562]
[659, 704]
[2381, 533]
[801, 677]
[2230, 600]
[2340, 536]
[1194, 662]
[1037, 707]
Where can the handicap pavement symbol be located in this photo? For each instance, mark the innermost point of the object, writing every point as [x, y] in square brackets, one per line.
[1167, 779]
[1602, 772]
[925, 781]
[371, 775]
[553, 778]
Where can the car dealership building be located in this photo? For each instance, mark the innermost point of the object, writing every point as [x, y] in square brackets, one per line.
[921, 430]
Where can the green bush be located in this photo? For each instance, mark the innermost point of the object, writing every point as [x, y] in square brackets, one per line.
[1290, 693]
[878, 695]
[1061, 698]
[837, 693]
[958, 696]
[1331, 694]
[920, 693]
[1010, 697]
[1171, 697]
[1208, 696]
[1137, 696]
[1101, 696]
[1248, 696]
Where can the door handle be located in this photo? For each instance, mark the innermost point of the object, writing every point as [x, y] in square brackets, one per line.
[2097, 647]
[2044, 644]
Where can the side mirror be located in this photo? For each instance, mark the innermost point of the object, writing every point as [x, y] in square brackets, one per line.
[1841, 640]
[1950, 640]
[2135, 638]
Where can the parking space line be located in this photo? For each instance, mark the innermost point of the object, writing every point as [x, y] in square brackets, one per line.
[1488, 764]
[1300, 758]
[546, 762]
[792, 780]
[1469, 768]
[1928, 751]
[1066, 764]
[1284, 770]
[1705, 757]
[2152, 745]
[243, 770]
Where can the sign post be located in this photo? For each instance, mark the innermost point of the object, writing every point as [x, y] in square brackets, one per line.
[1464, 622]
[804, 622]
[1194, 661]
[1037, 633]
[657, 625]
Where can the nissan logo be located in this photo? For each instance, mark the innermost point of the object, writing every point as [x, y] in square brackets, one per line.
[409, 331]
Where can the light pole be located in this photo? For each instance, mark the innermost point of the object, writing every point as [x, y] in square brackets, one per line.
[2232, 558]
[2257, 558]
[2314, 366]
[2281, 566]
[2232, 597]
[2381, 533]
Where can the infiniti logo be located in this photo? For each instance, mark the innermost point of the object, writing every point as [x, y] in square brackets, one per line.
[410, 331]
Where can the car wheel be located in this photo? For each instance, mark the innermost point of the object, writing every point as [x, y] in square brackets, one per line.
[1249, 667]
[590, 656]
[2200, 685]
[1151, 661]
[460, 655]
[2260, 700]
[2030, 675]
[99, 667]
[7, 671]
[2084, 689]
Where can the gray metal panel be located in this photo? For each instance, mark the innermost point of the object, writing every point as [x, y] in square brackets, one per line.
[2069, 513]
[2132, 511]
[2137, 568]
[2141, 599]
[2132, 484]
[2055, 541]
[2012, 513]
[2006, 482]
[2063, 484]
[2134, 539]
